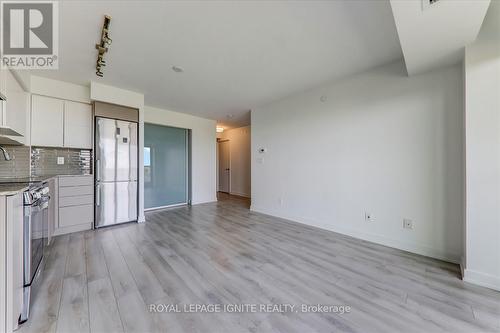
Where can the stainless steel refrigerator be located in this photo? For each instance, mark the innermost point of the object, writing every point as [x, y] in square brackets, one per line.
[115, 171]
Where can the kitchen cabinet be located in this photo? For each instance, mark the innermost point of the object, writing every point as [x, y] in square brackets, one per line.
[77, 125]
[14, 111]
[59, 123]
[47, 121]
[11, 261]
[53, 207]
[75, 200]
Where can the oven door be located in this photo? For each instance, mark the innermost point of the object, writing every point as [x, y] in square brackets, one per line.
[35, 237]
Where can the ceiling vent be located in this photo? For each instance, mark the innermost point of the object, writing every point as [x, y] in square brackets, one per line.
[428, 3]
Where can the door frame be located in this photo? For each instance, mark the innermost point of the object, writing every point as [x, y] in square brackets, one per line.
[219, 141]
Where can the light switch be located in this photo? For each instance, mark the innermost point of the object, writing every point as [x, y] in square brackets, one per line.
[60, 160]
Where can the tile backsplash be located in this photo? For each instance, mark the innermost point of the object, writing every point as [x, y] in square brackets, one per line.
[76, 161]
[19, 165]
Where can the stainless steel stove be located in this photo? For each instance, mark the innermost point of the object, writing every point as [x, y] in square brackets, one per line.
[35, 229]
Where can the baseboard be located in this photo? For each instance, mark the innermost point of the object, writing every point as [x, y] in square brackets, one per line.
[194, 203]
[72, 229]
[416, 248]
[462, 267]
[482, 279]
[245, 195]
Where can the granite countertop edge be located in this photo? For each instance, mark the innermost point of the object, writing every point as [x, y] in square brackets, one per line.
[12, 189]
[7, 189]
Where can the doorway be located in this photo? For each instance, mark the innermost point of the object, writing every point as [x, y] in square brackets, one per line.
[166, 166]
[224, 166]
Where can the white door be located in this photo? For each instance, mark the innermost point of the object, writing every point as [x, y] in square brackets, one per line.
[224, 167]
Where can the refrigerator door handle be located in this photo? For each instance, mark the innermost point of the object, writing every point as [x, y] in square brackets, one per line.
[98, 195]
[97, 170]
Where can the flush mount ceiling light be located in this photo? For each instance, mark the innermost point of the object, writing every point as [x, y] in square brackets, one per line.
[219, 129]
[103, 46]
[177, 69]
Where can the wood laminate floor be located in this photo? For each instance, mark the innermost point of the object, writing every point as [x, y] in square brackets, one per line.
[221, 253]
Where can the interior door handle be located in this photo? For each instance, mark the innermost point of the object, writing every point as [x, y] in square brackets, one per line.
[227, 169]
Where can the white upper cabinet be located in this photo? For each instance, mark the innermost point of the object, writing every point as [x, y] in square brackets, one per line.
[59, 123]
[47, 121]
[15, 110]
[77, 125]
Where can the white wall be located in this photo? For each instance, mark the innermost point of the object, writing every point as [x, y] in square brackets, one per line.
[239, 147]
[382, 143]
[203, 149]
[59, 89]
[482, 108]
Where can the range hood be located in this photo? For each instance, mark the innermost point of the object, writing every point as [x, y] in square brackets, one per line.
[5, 130]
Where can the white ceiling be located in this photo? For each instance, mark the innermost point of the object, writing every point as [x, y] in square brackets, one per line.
[236, 55]
[434, 35]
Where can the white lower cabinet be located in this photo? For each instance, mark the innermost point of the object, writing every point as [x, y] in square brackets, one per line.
[76, 215]
[75, 201]
[53, 206]
[11, 261]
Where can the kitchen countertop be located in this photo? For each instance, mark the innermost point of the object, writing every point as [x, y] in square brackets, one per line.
[12, 186]
[25, 179]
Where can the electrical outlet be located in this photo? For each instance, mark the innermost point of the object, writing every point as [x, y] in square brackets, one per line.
[369, 217]
[407, 224]
[60, 160]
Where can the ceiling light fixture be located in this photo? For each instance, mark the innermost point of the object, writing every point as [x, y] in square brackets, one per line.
[177, 69]
[103, 46]
[219, 129]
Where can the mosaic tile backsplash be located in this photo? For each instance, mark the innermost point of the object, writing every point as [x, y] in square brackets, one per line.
[76, 161]
[19, 165]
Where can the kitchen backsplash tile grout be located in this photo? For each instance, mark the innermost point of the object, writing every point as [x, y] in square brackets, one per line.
[41, 161]
[76, 161]
[19, 165]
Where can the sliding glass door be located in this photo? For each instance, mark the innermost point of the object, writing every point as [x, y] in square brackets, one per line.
[166, 165]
